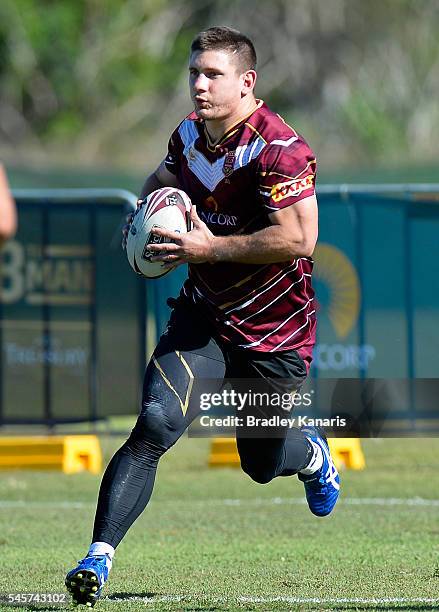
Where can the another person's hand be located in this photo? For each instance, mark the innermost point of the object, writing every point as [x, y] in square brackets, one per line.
[129, 220]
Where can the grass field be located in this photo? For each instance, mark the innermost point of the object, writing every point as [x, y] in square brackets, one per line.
[213, 540]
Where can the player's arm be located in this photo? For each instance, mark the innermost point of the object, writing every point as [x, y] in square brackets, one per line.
[158, 179]
[8, 214]
[293, 234]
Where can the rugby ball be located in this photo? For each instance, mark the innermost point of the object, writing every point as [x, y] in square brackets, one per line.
[167, 208]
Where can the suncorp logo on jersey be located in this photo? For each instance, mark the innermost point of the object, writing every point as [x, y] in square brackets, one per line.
[214, 218]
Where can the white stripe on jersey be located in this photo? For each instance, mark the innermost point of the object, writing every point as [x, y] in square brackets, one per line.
[211, 174]
[284, 143]
[252, 150]
[253, 298]
[244, 153]
[273, 301]
[258, 342]
[276, 348]
[239, 154]
[201, 295]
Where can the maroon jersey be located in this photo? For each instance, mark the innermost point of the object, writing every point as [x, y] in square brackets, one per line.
[259, 166]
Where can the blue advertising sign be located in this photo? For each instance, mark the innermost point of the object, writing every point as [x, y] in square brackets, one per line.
[72, 314]
[75, 320]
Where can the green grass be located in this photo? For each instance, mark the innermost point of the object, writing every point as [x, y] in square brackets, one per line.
[192, 543]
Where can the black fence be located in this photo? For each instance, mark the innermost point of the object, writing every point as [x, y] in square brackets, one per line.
[72, 312]
[76, 323]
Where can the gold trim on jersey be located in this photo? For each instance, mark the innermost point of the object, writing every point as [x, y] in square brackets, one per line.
[256, 131]
[212, 145]
[243, 297]
[313, 161]
[238, 284]
[287, 124]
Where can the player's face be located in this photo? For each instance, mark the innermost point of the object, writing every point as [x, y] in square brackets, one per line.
[216, 86]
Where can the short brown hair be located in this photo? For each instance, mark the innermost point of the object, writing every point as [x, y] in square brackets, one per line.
[227, 39]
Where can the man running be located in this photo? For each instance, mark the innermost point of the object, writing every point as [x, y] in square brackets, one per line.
[247, 308]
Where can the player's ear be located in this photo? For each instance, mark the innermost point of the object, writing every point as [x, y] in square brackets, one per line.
[248, 81]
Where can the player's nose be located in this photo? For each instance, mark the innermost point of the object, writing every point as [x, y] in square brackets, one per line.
[200, 84]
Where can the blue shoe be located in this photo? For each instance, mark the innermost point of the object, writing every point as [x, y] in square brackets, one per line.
[323, 487]
[86, 581]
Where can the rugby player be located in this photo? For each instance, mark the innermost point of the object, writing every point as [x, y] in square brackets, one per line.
[247, 306]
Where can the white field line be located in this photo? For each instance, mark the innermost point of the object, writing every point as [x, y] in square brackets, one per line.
[273, 599]
[417, 502]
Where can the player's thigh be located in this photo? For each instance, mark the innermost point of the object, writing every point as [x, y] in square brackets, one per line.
[185, 353]
[276, 375]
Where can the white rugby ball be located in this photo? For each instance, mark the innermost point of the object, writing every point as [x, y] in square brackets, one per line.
[167, 208]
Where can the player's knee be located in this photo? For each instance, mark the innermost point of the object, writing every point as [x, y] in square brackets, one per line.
[155, 422]
[258, 473]
[143, 449]
[150, 435]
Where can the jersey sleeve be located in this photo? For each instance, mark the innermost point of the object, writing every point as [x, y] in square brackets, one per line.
[172, 159]
[286, 173]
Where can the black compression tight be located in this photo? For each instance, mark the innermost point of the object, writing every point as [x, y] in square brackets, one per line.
[166, 413]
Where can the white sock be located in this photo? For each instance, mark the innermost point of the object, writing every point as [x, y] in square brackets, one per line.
[101, 548]
[316, 461]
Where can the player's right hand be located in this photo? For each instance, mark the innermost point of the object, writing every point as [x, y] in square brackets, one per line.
[129, 220]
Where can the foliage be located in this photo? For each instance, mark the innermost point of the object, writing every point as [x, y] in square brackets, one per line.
[94, 81]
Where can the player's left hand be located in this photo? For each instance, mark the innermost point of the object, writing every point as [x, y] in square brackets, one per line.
[195, 246]
[129, 220]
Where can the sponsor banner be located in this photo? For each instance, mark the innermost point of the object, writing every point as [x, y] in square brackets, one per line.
[57, 274]
[338, 357]
[71, 320]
